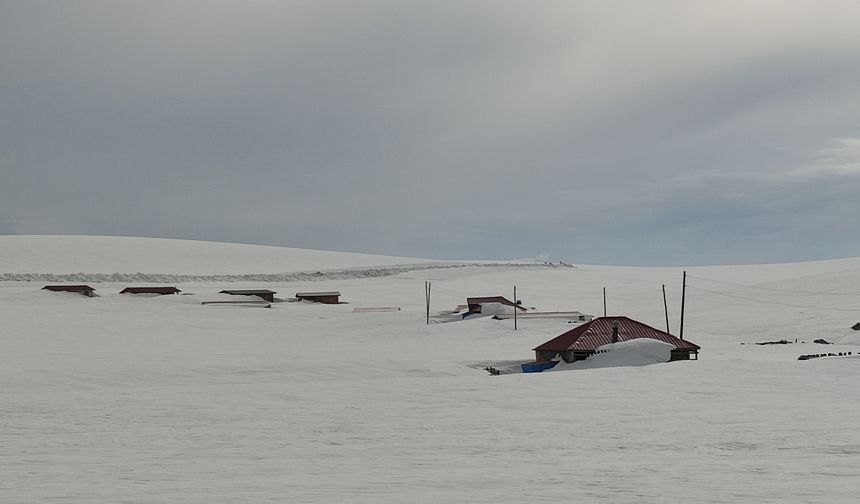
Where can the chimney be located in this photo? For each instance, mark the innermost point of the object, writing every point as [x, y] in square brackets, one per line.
[615, 331]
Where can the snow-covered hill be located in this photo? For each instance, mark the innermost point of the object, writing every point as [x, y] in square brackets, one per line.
[163, 399]
[111, 254]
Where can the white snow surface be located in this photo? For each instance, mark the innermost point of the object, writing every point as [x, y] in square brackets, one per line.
[161, 399]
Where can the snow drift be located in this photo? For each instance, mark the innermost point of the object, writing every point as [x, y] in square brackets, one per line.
[635, 352]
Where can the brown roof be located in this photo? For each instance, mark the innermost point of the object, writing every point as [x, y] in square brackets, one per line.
[68, 288]
[591, 335]
[472, 301]
[317, 294]
[150, 290]
[248, 292]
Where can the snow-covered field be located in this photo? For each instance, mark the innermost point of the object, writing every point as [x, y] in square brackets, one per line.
[160, 399]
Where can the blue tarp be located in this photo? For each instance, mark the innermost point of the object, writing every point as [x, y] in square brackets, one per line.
[537, 367]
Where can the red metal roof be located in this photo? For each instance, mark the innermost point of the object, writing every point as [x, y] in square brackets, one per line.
[591, 335]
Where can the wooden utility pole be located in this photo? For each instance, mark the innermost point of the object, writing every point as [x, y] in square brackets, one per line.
[683, 298]
[666, 309]
[516, 309]
[427, 300]
[604, 301]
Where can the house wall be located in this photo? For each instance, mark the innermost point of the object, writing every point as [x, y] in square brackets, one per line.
[322, 299]
[87, 293]
[679, 354]
[544, 355]
[567, 356]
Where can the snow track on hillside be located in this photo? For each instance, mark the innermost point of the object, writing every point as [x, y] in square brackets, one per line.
[301, 276]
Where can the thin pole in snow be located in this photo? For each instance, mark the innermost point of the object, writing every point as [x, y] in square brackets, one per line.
[683, 298]
[427, 300]
[604, 301]
[666, 309]
[515, 307]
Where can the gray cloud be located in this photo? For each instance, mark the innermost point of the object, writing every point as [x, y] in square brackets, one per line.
[600, 131]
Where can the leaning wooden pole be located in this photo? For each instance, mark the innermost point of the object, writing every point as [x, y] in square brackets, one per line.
[683, 298]
[666, 309]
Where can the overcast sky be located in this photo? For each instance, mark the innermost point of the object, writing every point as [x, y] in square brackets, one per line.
[649, 133]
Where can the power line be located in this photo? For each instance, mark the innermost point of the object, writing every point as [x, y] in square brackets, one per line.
[774, 289]
[745, 298]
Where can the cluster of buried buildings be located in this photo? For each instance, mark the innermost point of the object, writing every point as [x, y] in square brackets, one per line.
[578, 343]
[587, 337]
[264, 295]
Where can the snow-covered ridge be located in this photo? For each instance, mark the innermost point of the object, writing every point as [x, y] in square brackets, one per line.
[157, 260]
[111, 254]
[66, 255]
[301, 276]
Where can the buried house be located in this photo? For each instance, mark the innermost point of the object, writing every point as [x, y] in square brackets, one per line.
[265, 294]
[331, 297]
[475, 303]
[150, 290]
[584, 340]
[86, 290]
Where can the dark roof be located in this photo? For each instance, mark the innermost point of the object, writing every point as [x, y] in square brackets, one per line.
[317, 294]
[492, 299]
[150, 290]
[591, 335]
[248, 292]
[68, 288]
